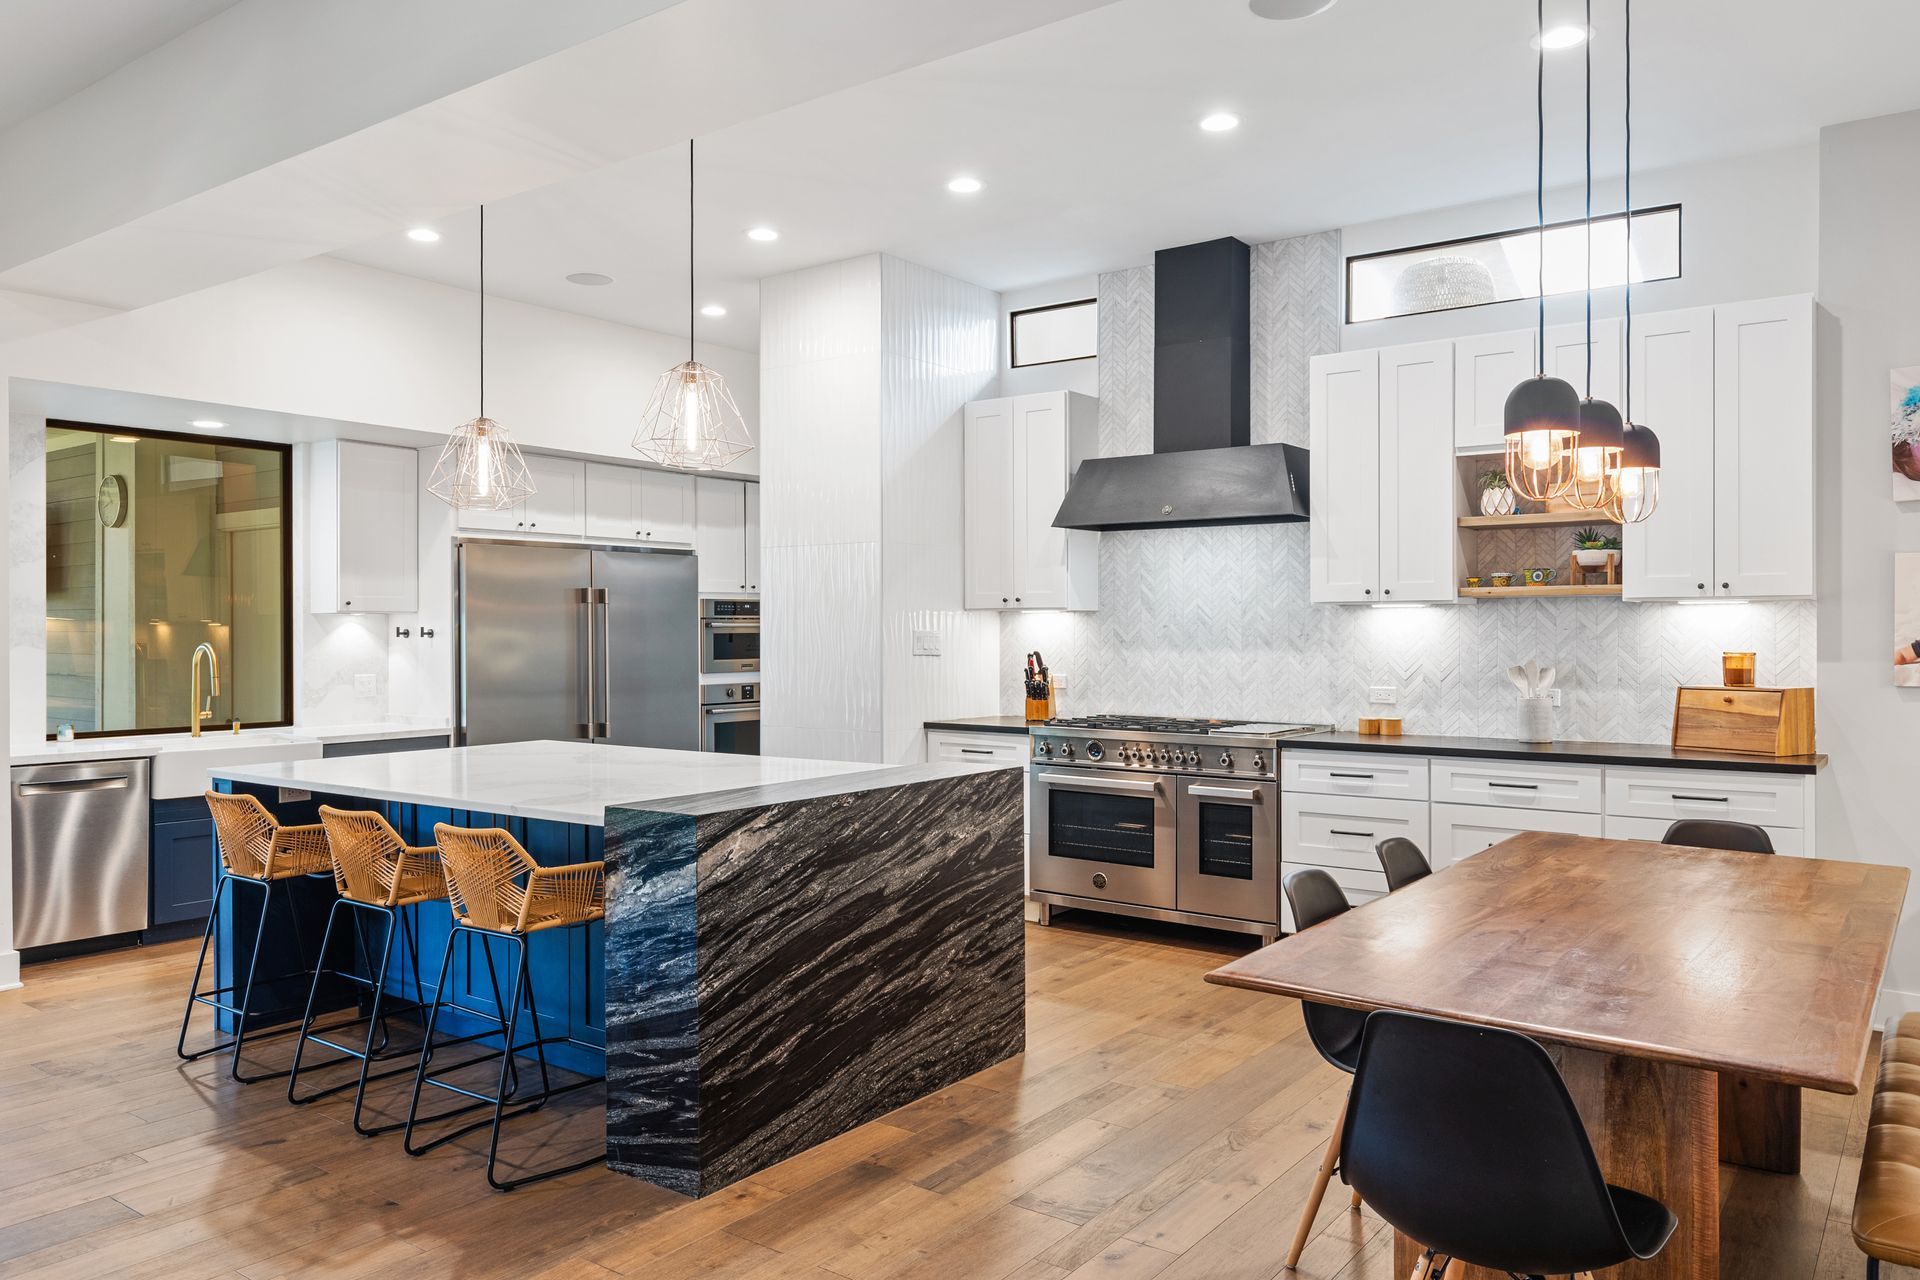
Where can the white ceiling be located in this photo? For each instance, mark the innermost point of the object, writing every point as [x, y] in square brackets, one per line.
[1083, 132]
[47, 56]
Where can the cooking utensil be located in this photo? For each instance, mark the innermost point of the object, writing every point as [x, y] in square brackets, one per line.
[1518, 675]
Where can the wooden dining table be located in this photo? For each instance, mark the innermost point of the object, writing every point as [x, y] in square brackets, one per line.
[1688, 995]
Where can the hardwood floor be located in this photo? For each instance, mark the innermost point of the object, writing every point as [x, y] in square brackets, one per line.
[1156, 1126]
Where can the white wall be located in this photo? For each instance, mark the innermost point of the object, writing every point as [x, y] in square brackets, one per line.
[1749, 229]
[1071, 375]
[866, 365]
[1869, 280]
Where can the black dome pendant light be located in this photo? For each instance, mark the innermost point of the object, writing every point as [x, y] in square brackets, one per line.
[1543, 414]
[1636, 480]
[1596, 459]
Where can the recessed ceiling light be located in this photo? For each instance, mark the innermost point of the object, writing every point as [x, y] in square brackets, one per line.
[1560, 38]
[964, 186]
[763, 234]
[208, 424]
[423, 235]
[713, 309]
[591, 278]
[1220, 122]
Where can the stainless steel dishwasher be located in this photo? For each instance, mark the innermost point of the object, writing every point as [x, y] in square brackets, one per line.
[80, 839]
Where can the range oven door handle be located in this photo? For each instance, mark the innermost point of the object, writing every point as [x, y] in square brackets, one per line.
[1251, 794]
[733, 712]
[1093, 782]
[713, 625]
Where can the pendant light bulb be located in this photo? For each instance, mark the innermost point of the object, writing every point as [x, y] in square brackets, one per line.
[480, 466]
[1597, 456]
[692, 422]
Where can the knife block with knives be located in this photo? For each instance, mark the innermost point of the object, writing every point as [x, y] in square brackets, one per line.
[1039, 686]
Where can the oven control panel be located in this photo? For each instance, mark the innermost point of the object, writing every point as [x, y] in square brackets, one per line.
[1187, 756]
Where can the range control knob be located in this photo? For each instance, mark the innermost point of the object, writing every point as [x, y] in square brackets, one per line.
[1095, 750]
[1193, 759]
[1163, 755]
[1226, 760]
[1259, 763]
[1066, 751]
[1126, 755]
[1044, 749]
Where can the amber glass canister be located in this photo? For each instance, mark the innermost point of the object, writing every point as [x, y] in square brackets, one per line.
[1736, 670]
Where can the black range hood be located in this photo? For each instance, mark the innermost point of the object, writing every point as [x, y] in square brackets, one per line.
[1202, 471]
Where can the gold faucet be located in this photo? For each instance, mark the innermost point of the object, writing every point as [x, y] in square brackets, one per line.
[202, 710]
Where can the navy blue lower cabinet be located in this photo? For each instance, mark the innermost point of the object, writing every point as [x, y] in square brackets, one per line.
[181, 862]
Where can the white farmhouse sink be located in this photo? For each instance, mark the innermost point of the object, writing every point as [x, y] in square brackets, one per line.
[180, 766]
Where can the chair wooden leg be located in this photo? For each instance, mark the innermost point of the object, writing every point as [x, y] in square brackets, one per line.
[1355, 1202]
[1320, 1180]
[1422, 1265]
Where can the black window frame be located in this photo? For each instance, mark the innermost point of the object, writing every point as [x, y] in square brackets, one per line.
[1679, 257]
[1013, 334]
[287, 675]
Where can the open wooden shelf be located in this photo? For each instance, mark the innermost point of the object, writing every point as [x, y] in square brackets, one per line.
[1535, 519]
[1561, 591]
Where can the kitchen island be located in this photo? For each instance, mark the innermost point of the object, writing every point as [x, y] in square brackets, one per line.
[791, 947]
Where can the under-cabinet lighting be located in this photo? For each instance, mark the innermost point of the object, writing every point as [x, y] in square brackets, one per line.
[1400, 604]
[1717, 600]
[208, 424]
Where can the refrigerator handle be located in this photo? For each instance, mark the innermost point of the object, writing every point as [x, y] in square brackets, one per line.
[606, 662]
[585, 726]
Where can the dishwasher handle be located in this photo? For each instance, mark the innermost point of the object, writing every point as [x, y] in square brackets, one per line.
[118, 783]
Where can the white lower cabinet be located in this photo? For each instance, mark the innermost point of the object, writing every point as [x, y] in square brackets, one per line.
[1337, 834]
[956, 746]
[1786, 840]
[1764, 799]
[1462, 830]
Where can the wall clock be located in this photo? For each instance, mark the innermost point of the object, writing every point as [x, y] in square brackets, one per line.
[111, 501]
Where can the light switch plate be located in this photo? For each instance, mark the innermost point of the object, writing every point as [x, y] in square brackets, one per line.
[364, 686]
[926, 644]
[1059, 682]
[1383, 695]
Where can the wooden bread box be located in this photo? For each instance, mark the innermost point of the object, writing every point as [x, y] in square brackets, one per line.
[1761, 722]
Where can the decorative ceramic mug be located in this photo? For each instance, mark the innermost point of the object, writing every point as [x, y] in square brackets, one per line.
[1502, 579]
[1473, 582]
[1540, 577]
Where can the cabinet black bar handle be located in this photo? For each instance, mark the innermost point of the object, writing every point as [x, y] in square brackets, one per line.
[975, 751]
[1516, 786]
[1709, 799]
[1337, 774]
[1364, 835]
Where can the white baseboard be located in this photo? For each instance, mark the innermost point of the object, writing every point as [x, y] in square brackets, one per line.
[9, 970]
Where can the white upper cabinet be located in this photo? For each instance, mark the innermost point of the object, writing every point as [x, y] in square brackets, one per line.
[1021, 452]
[1763, 448]
[1420, 552]
[558, 506]
[1567, 358]
[363, 549]
[1344, 477]
[1669, 556]
[638, 504]
[1384, 493]
[1729, 391]
[720, 534]
[1485, 368]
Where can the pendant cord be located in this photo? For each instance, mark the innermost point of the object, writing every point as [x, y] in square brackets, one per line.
[1589, 226]
[691, 312]
[1540, 178]
[483, 311]
[1627, 6]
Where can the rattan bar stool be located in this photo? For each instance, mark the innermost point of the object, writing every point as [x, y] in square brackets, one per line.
[256, 850]
[499, 893]
[378, 876]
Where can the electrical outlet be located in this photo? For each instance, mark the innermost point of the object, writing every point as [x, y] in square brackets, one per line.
[1383, 695]
[364, 685]
[926, 644]
[1553, 697]
[1059, 682]
[293, 795]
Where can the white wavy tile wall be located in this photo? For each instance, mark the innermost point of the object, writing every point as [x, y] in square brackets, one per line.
[1217, 621]
[865, 367]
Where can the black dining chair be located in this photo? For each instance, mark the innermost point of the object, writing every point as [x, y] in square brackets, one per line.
[1713, 833]
[1316, 897]
[1403, 862]
[1465, 1139]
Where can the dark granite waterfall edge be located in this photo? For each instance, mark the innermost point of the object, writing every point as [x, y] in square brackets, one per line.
[784, 965]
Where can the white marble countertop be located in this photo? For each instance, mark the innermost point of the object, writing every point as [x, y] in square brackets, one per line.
[142, 746]
[554, 781]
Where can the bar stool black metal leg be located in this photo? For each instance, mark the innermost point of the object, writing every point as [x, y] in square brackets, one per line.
[193, 987]
[426, 1050]
[374, 1018]
[313, 992]
[246, 995]
[506, 1060]
[533, 1009]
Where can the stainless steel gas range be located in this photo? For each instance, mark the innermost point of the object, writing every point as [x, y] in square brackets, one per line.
[1169, 819]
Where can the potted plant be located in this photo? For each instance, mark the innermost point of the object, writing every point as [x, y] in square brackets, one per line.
[1592, 548]
[1496, 495]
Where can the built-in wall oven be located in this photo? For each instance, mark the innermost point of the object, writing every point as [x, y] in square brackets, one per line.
[730, 718]
[729, 636]
[1171, 820]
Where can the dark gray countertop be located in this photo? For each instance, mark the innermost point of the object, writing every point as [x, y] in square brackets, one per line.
[982, 724]
[1652, 755]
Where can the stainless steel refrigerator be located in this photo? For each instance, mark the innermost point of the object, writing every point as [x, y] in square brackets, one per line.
[577, 643]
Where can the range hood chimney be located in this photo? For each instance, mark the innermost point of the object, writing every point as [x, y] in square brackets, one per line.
[1202, 471]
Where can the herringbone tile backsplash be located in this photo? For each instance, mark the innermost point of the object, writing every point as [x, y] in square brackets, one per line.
[1217, 622]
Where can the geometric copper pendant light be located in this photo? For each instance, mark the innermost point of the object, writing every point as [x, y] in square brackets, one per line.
[480, 466]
